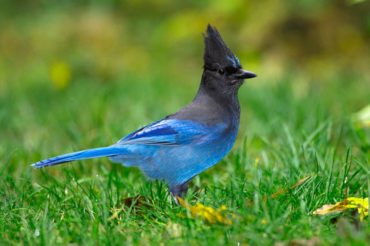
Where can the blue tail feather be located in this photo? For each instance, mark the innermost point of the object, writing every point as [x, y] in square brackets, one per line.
[80, 155]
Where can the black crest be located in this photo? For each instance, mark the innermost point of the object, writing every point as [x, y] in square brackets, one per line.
[216, 53]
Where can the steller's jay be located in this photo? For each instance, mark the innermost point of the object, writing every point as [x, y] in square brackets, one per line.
[186, 143]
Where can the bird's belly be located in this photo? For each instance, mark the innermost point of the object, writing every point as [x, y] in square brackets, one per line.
[178, 164]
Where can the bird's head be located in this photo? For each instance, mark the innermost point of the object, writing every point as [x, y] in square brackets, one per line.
[222, 69]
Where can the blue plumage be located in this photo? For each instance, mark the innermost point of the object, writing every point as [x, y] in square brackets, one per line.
[186, 143]
[81, 155]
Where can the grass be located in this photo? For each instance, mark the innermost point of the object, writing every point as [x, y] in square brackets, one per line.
[288, 132]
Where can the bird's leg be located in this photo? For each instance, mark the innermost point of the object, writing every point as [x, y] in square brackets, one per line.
[179, 191]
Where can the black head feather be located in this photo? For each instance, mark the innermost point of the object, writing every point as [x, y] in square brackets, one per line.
[217, 54]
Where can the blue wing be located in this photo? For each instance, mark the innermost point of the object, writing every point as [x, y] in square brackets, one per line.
[168, 132]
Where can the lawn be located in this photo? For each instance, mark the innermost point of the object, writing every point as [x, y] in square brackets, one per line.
[289, 131]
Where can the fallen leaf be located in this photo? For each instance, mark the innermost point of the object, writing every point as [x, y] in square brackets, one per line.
[360, 204]
[115, 213]
[209, 214]
[135, 202]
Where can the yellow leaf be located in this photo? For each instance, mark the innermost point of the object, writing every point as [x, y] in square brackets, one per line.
[209, 214]
[360, 204]
[60, 74]
[115, 213]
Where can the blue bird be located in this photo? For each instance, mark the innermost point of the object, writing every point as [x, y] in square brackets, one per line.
[186, 143]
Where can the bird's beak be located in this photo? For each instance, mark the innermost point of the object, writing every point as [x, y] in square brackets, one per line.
[244, 74]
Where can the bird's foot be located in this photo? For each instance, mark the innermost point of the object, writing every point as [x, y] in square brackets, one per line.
[178, 191]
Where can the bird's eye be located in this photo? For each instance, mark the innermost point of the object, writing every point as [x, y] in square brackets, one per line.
[221, 71]
[231, 70]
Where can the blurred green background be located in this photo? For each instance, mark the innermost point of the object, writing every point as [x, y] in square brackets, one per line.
[104, 41]
[150, 53]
